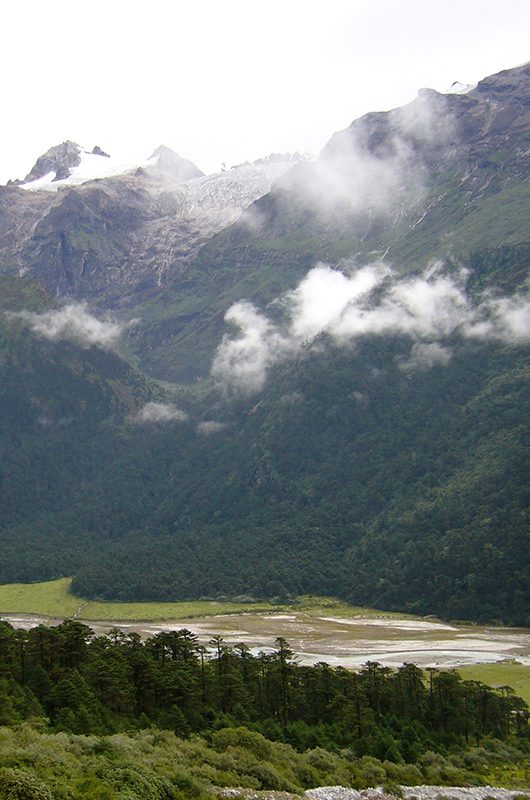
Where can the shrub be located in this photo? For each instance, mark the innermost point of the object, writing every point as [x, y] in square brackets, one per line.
[270, 778]
[18, 785]
[242, 737]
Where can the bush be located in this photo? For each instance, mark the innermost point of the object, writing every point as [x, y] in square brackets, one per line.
[403, 774]
[243, 737]
[371, 771]
[18, 785]
[270, 778]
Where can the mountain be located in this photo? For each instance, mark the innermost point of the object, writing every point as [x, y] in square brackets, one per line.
[422, 182]
[357, 425]
[62, 398]
[116, 233]
[68, 164]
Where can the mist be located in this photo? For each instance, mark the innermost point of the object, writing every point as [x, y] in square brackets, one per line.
[375, 166]
[159, 413]
[210, 426]
[371, 300]
[74, 323]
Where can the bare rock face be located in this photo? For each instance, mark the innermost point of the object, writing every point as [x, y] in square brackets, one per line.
[97, 151]
[59, 159]
[117, 240]
[169, 167]
[387, 159]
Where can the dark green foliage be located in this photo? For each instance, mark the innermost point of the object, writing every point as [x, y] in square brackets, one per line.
[351, 474]
[155, 765]
[353, 477]
[267, 723]
[98, 685]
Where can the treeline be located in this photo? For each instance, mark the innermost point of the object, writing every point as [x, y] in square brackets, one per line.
[88, 684]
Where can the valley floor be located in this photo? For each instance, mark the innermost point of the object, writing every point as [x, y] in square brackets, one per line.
[317, 629]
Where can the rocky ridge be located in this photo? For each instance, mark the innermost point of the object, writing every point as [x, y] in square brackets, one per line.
[117, 240]
[60, 160]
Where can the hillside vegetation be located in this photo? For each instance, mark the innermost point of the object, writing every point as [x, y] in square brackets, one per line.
[264, 721]
[348, 476]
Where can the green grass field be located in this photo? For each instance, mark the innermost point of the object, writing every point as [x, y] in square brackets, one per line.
[503, 673]
[53, 599]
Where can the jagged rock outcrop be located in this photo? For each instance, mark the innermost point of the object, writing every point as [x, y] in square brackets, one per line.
[97, 151]
[119, 239]
[59, 159]
[168, 166]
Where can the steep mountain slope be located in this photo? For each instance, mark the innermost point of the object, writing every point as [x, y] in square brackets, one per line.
[349, 475]
[118, 238]
[444, 177]
[420, 182]
[61, 403]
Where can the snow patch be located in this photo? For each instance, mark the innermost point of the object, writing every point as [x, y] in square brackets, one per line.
[459, 88]
[92, 167]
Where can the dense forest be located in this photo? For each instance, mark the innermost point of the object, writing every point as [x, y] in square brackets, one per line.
[89, 684]
[265, 720]
[348, 475]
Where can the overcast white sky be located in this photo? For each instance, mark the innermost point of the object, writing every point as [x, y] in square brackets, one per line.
[231, 80]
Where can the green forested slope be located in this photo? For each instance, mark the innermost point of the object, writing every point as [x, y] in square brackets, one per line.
[348, 475]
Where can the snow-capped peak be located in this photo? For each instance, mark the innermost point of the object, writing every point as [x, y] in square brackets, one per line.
[71, 165]
[459, 88]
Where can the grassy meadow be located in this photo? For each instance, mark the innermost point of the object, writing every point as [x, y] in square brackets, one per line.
[51, 599]
[503, 673]
[54, 599]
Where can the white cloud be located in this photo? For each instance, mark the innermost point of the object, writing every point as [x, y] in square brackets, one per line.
[368, 301]
[247, 358]
[505, 318]
[431, 306]
[424, 355]
[324, 295]
[160, 412]
[75, 323]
